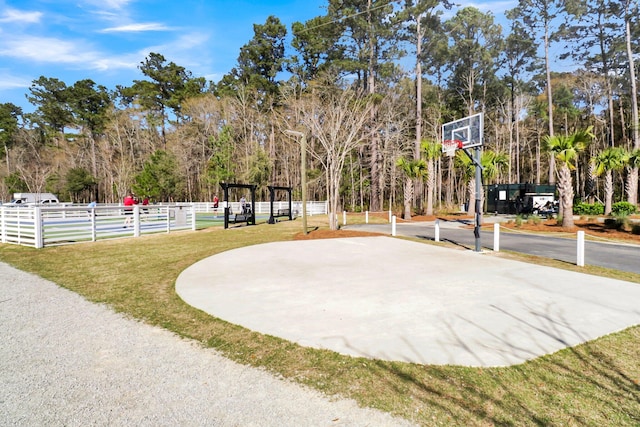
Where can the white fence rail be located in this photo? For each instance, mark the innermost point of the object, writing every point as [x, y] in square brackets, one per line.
[47, 226]
[313, 207]
[38, 226]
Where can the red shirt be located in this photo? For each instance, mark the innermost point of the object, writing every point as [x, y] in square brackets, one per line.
[128, 201]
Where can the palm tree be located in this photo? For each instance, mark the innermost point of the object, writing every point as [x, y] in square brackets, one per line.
[412, 169]
[609, 160]
[565, 149]
[493, 163]
[431, 150]
[631, 185]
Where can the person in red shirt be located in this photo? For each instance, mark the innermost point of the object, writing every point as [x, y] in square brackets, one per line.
[216, 201]
[128, 202]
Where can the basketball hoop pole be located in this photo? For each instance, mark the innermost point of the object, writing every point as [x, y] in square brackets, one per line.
[478, 214]
[478, 220]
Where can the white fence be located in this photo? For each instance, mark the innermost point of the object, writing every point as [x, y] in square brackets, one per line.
[47, 226]
[313, 207]
[38, 226]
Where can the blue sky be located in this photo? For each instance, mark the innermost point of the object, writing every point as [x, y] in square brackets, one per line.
[105, 40]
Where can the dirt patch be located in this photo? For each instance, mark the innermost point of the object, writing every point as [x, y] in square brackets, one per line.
[590, 227]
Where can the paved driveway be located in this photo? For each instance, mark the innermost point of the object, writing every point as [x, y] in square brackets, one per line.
[392, 299]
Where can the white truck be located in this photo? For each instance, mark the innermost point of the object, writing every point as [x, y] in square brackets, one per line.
[34, 199]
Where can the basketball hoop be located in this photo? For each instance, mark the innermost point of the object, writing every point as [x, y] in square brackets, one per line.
[449, 146]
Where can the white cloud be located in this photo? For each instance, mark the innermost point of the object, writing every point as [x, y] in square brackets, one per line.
[43, 49]
[188, 50]
[63, 52]
[108, 4]
[136, 28]
[9, 81]
[15, 15]
[122, 62]
[495, 7]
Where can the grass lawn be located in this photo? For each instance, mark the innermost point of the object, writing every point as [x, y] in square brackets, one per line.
[595, 384]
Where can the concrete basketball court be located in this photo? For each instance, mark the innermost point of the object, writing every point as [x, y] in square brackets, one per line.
[392, 299]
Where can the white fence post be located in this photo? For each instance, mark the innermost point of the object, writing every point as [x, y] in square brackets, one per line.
[93, 224]
[3, 224]
[580, 242]
[37, 222]
[344, 217]
[193, 217]
[366, 217]
[393, 225]
[437, 231]
[136, 221]
[496, 237]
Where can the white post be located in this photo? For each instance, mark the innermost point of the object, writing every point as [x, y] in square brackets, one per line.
[193, 217]
[37, 222]
[93, 224]
[496, 237]
[4, 226]
[168, 218]
[580, 240]
[366, 217]
[437, 231]
[393, 225]
[136, 221]
[344, 217]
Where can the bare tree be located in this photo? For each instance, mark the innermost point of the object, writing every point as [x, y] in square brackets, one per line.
[335, 121]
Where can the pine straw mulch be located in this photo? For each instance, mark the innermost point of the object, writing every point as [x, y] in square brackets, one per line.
[592, 227]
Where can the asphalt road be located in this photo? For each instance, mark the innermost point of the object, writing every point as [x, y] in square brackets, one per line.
[623, 257]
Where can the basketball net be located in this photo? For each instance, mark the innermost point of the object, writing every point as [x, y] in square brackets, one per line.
[449, 146]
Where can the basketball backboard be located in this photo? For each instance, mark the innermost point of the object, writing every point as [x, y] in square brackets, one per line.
[468, 131]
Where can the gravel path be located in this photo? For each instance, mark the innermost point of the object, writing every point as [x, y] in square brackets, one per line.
[66, 361]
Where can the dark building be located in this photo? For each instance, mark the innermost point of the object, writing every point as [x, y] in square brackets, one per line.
[519, 198]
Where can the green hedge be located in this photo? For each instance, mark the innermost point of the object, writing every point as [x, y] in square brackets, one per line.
[589, 209]
[623, 208]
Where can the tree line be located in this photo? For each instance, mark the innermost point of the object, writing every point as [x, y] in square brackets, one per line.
[372, 123]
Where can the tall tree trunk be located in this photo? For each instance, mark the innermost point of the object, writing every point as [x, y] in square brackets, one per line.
[608, 192]
[565, 188]
[376, 156]
[632, 180]
[552, 159]
[430, 185]
[590, 186]
[408, 197]
[416, 147]
[471, 190]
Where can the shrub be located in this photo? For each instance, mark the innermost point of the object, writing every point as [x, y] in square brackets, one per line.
[518, 220]
[611, 223]
[619, 222]
[588, 208]
[534, 219]
[623, 208]
[635, 229]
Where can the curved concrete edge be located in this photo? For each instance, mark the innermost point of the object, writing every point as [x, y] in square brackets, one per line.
[392, 299]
